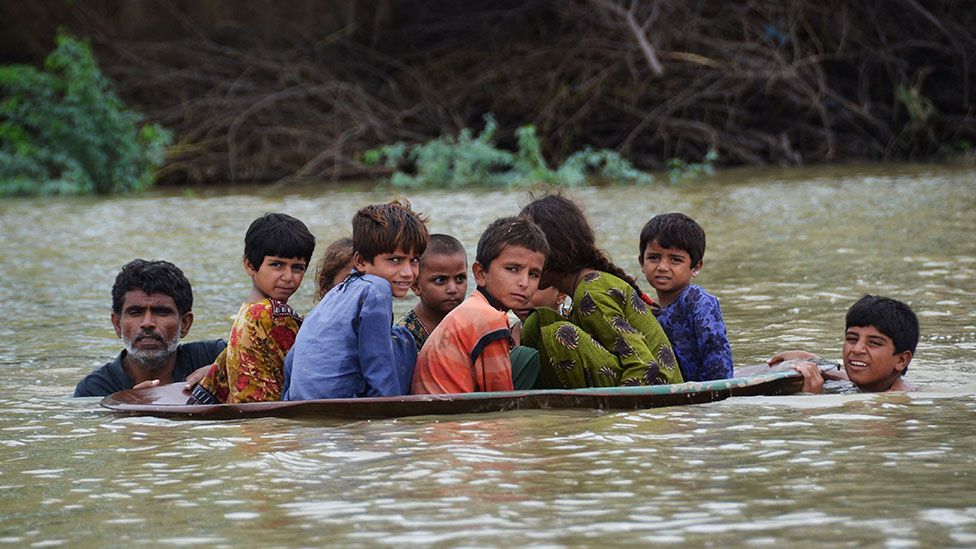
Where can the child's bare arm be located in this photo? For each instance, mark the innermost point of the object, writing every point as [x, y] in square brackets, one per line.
[789, 355]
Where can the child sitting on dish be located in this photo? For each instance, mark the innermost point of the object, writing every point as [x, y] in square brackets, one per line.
[671, 250]
[470, 349]
[442, 283]
[879, 342]
[334, 267]
[348, 346]
[277, 250]
[611, 337]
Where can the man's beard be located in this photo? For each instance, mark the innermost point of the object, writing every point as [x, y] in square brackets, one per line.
[152, 359]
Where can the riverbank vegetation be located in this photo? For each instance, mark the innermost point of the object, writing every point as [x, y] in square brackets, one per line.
[260, 92]
[64, 131]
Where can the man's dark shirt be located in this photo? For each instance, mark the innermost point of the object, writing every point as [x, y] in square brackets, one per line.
[112, 377]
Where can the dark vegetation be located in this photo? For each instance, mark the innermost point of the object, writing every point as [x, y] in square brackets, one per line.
[260, 91]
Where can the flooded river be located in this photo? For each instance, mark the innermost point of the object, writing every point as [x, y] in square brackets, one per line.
[788, 251]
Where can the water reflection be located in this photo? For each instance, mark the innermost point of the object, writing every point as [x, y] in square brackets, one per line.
[788, 252]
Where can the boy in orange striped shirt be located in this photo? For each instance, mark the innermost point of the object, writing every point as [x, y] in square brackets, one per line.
[469, 349]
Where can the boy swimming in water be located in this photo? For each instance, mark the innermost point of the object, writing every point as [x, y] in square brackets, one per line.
[879, 342]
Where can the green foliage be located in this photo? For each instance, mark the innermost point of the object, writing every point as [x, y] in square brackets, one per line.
[679, 170]
[64, 131]
[919, 108]
[449, 161]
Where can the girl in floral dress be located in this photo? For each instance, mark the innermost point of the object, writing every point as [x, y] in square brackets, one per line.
[611, 337]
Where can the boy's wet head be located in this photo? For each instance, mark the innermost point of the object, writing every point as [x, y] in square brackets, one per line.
[384, 228]
[879, 341]
[891, 317]
[510, 231]
[674, 230]
[280, 235]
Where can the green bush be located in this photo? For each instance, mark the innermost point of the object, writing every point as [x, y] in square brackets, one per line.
[449, 161]
[64, 131]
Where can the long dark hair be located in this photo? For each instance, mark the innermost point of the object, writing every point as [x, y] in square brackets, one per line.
[572, 243]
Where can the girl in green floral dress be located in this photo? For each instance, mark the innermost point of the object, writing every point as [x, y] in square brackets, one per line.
[611, 337]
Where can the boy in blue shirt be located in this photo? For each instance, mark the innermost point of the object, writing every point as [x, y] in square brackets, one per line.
[671, 250]
[348, 346]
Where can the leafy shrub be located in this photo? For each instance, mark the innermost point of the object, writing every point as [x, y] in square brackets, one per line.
[679, 170]
[449, 161]
[64, 131]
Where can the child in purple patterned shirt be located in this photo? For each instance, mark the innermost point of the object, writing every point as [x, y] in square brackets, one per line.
[671, 250]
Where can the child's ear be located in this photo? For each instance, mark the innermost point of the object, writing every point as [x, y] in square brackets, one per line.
[358, 262]
[480, 276]
[697, 268]
[904, 358]
[248, 268]
[415, 288]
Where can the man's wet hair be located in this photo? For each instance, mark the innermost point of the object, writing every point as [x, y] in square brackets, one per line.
[510, 231]
[674, 230]
[152, 277]
[280, 235]
[890, 317]
[384, 228]
[443, 244]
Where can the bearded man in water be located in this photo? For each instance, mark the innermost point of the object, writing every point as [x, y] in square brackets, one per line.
[152, 305]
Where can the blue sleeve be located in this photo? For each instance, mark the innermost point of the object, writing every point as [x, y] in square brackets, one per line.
[376, 359]
[713, 344]
[405, 353]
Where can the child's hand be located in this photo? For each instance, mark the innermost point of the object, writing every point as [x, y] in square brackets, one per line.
[812, 380]
[789, 355]
[146, 384]
[194, 378]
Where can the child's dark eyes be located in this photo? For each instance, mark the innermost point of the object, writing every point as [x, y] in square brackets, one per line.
[439, 280]
[460, 279]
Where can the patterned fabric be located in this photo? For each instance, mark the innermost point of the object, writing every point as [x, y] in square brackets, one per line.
[415, 327]
[251, 368]
[467, 352]
[610, 339]
[348, 346]
[693, 323]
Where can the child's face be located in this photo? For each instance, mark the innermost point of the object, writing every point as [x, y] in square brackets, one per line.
[398, 268]
[442, 282]
[277, 277]
[513, 277]
[870, 359]
[668, 270]
[550, 297]
[342, 273]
